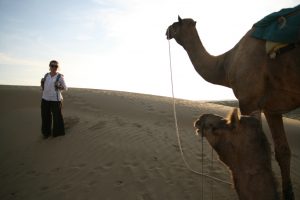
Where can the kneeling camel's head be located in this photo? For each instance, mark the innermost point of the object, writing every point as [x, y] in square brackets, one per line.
[234, 137]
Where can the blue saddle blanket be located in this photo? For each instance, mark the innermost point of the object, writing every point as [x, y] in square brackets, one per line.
[282, 26]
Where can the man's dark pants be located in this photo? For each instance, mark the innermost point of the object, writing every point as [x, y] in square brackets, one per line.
[52, 112]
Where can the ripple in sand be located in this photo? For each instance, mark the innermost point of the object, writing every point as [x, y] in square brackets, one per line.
[98, 125]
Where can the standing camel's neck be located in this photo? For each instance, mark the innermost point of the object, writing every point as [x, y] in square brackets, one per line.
[211, 68]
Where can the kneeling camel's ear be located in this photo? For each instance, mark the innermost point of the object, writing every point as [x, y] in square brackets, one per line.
[234, 118]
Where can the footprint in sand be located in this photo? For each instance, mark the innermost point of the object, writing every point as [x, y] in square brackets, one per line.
[120, 122]
[70, 122]
[176, 147]
[119, 183]
[82, 165]
[55, 170]
[44, 188]
[146, 197]
[137, 125]
[150, 108]
[32, 173]
[105, 167]
[98, 125]
[66, 187]
[130, 164]
[108, 165]
[143, 178]
[92, 183]
[13, 194]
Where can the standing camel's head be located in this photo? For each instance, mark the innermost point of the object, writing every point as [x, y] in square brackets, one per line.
[236, 138]
[180, 29]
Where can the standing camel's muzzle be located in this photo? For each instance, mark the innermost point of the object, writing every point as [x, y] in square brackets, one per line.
[170, 33]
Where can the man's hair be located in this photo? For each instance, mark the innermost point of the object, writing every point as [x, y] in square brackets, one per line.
[53, 62]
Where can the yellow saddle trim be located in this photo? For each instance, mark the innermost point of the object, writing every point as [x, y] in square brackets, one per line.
[273, 47]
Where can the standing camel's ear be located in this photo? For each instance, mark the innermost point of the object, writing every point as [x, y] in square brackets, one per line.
[234, 118]
[256, 114]
[179, 19]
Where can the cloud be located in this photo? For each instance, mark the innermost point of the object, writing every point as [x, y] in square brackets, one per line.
[83, 37]
[6, 59]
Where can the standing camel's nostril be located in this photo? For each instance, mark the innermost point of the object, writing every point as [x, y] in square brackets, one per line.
[168, 34]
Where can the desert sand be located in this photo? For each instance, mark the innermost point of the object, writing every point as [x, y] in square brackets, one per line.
[118, 146]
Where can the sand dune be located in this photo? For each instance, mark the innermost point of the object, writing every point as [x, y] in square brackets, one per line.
[117, 146]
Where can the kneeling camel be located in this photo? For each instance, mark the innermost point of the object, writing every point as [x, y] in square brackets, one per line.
[243, 147]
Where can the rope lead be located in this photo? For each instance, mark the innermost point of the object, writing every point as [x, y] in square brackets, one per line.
[177, 132]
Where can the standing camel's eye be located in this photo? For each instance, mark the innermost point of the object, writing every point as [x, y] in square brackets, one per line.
[173, 30]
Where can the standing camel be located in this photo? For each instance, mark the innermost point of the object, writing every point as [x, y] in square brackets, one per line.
[242, 145]
[258, 82]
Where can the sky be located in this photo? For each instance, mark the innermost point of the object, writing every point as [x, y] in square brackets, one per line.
[121, 44]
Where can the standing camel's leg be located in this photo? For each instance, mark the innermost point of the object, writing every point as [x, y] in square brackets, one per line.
[282, 153]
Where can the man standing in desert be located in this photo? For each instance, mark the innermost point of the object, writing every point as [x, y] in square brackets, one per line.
[52, 84]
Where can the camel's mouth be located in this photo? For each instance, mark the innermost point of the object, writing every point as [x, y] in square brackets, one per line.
[168, 34]
[199, 127]
[199, 132]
